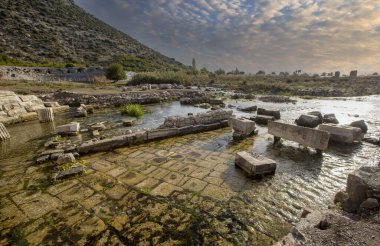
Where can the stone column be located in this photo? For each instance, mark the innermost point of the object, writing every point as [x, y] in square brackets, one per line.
[45, 115]
[4, 134]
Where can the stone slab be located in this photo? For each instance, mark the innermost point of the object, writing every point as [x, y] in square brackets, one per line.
[263, 119]
[343, 134]
[244, 126]
[254, 164]
[314, 138]
[69, 129]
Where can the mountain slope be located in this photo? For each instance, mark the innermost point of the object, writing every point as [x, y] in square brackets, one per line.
[60, 31]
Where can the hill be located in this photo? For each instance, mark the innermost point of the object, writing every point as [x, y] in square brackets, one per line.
[59, 31]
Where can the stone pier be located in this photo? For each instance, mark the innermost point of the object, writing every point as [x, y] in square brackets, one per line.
[313, 138]
[4, 134]
[45, 115]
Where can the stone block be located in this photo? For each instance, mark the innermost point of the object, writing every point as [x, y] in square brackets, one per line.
[343, 134]
[254, 164]
[275, 113]
[65, 158]
[263, 119]
[60, 109]
[243, 126]
[29, 116]
[162, 133]
[69, 129]
[314, 138]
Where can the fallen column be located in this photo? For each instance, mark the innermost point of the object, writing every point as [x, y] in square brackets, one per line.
[263, 119]
[275, 113]
[317, 139]
[4, 134]
[254, 164]
[343, 134]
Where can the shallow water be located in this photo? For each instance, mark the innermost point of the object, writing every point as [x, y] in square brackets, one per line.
[268, 205]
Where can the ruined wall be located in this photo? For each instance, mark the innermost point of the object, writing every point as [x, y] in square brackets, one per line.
[15, 108]
[9, 73]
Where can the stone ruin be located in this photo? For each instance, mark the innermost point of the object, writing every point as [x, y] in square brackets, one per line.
[18, 108]
[206, 118]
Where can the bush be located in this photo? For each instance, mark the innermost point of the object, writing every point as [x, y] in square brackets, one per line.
[134, 110]
[115, 72]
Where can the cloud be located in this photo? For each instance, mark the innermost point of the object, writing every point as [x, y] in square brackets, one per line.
[278, 35]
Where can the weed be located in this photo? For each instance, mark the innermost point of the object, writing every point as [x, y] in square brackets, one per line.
[134, 110]
[144, 191]
[17, 236]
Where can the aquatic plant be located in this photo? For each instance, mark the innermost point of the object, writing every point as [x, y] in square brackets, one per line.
[134, 110]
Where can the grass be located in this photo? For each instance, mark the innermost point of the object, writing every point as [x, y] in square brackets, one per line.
[134, 110]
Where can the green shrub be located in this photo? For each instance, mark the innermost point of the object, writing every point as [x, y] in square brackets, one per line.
[134, 110]
[115, 72]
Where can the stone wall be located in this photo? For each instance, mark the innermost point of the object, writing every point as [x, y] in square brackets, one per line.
[206, 118]
[16, 108]
[9, 73]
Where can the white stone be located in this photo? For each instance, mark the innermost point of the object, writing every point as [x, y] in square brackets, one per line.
[45, 115]
[343, 134]
[255, 164]
[69, 129]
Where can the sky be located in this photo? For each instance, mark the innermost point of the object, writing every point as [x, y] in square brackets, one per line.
[277, 35]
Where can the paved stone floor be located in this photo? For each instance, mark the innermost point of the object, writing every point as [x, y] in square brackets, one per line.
[170, 192]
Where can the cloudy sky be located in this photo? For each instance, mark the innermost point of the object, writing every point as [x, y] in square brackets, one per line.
[275, 35]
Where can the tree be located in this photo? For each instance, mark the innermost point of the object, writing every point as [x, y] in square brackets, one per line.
[204, 70]
[115, 72]
[220, 72]
[236, 72]
[375, 74]
[194, 65]
[261, 72]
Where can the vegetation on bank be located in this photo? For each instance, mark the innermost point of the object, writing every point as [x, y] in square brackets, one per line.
[134, 110]
[8, 61]
[115, 72]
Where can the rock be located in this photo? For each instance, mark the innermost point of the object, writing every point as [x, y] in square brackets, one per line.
[308, 121]
[372, 140]
[98, 127]
[341, 197]
[318, 114]
[330, 118]
[207, 118]
[362, 184]
[51, 104]
[80, 112]
[343, 134]
[45, 115]
[65, 158]
[4, 134]
[360, 124]
[254, 164]
[42, 159]
[74, 169]
[275, 113]
[369, 204]
[69, 129]
[129, 122]
[203, 105]
[95, 133]
[248, 109]
[305, 212]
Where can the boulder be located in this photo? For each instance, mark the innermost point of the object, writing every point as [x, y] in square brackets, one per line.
[318, 114]
[330, 118]
[372, 140]
[308, 121]
[362, 184]
[80, 112]
[369, 204]
[242, 127]
[65, 158]
[69, 129]
[360, 124]
[129, 122]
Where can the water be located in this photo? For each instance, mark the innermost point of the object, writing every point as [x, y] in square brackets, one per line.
[269, 205]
